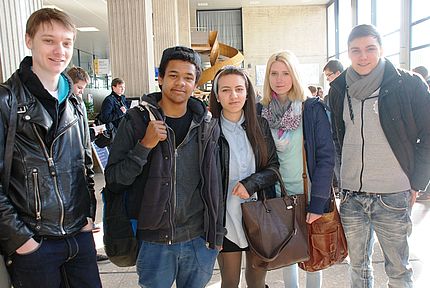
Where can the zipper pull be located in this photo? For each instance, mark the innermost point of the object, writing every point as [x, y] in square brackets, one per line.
[51, 165]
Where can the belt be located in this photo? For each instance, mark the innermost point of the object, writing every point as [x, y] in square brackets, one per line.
[368, 193]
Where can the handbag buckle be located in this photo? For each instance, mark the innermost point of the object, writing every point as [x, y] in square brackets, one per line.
[294, 200]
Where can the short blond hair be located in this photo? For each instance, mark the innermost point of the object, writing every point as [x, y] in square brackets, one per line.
[297, 91]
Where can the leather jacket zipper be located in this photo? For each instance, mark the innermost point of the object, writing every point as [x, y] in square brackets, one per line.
[52, 170]
[37, 200]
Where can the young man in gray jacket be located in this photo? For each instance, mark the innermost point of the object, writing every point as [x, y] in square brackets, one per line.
[176, 167]
[382, 134]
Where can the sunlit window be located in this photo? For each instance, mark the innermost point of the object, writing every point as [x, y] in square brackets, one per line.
[420, 57]
[331, 31]
[345, 23]
[420, 9]
[388, 22]
[364, 11]
[421, 33]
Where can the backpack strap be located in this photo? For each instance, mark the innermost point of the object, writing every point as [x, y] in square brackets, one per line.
[140, 118]
[10, 138]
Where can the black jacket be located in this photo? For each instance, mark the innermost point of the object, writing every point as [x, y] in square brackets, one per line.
[51, 191]
[264, 178]
[155, 171]
[110, 112]
[404, 106]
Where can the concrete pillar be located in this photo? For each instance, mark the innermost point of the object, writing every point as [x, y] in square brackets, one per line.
[184, 23]
[131, 44]
[171, 25]
[13, 17]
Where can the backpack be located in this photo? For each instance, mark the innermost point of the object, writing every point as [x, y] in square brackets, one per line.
[103, 139]
[121, 205]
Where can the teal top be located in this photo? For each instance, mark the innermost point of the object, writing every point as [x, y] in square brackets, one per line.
[289, 149]
[63, 88]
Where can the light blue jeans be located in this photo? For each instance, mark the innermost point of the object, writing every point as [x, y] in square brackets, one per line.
[291, 277]
[388, 216]
[190, 263]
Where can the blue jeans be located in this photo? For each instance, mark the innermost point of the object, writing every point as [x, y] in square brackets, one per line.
[190, 263]
[69, 262]
[388, 216]
[291, 277]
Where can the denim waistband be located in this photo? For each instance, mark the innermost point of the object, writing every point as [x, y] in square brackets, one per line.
[370, 193]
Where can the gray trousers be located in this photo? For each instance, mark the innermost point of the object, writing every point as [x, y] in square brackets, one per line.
[4, 276]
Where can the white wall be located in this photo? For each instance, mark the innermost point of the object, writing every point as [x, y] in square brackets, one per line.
[300, 29]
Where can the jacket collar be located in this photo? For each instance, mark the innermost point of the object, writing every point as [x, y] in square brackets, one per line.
[195, 105]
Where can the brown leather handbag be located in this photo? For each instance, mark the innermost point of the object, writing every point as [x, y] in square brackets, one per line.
[326, 241]
[326, 238]
[273, 232]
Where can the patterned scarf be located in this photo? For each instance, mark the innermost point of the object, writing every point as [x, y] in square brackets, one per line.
[283, 116]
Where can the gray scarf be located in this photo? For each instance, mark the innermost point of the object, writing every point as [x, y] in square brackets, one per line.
[361, 87]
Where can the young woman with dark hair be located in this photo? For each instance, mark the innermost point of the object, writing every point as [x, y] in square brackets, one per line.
[247, 153]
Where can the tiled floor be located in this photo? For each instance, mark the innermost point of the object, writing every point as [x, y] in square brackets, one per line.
[336, 276]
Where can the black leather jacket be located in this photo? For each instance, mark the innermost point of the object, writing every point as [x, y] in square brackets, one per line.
[51, 191]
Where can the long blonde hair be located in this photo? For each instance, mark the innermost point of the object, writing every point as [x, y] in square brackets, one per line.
[297, 89]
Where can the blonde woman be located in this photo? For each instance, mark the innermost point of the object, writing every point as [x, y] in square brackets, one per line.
[292, 120]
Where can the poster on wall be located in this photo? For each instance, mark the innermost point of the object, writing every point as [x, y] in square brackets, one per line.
[260, 71]
[310, 73]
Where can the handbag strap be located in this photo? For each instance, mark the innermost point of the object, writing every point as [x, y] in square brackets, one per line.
[304, 173]
[281, 182]
[10, 139]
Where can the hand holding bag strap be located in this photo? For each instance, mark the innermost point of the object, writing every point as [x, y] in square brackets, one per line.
[10, 140]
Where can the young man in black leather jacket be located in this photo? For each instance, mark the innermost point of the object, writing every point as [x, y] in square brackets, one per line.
[47, 212]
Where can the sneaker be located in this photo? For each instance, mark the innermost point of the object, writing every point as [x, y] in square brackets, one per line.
[101, 257]
[423, 196]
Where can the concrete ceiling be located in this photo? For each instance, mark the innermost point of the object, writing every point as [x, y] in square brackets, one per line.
[93, 13]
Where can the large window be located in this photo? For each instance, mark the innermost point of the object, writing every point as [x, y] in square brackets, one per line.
[228, 23]
[331, 30]
[389, 24]
[364, 12]
[420, 36]
[345, 24]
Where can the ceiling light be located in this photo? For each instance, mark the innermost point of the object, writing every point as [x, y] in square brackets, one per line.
[87, 29]
[200, 4]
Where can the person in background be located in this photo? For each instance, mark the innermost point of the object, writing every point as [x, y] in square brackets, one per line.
[180, 223]
[294, 122]
[313, 90]
[320, 92]
[114, 107]
[380, 117]
[248, 156]
[80, 79]
[423, 72]
[332, 69]
[47, 214]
